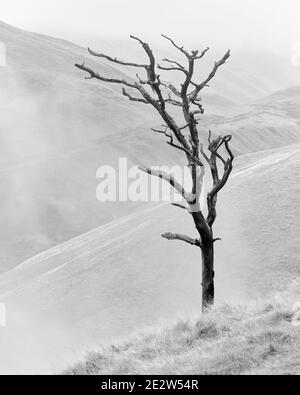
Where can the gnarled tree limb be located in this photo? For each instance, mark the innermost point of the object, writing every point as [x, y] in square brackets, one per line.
[186, 239]
[97, 76]
[199, 87]
[136, 99]
[218, 183]
[166, 177]
[115, 60]
[181, 49]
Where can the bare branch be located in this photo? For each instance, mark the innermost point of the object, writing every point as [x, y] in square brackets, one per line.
[164, 132]
[115, 60]
[202, 54]
[171, 68]
[218, 239]
[210, 77]
[194, 54]
[166, 177]
[172, 89]
[160, 104]
[204, 154]
[142, 82]
[181, 49]
[209, 136]
[173, 102]
[180, 206]
[198, 174]
[189, 153]
[131, 98]
[151, 67]
[176, 64]
[227, 140]
[219, 156]
[214, 146]
[199, 105]
[186, 239]
[195, 121]
[93, 74]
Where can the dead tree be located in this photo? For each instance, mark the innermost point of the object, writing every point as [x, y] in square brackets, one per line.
[218, 157]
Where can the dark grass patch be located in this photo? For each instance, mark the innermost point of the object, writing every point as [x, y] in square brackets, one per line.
[210, 330]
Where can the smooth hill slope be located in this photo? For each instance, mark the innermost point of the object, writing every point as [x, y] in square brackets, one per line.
[273, 120]
[122, 276]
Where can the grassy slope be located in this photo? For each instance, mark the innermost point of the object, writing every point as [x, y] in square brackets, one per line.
[228, 341]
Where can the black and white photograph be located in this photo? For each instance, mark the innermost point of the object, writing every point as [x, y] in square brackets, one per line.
[149, 190]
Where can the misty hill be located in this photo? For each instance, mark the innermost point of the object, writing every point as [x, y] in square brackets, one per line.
[272, 120]
[285, 102]
[121, 277]
[56, 129]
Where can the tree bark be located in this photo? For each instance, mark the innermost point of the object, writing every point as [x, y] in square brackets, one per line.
[208, 274]
[207, 248]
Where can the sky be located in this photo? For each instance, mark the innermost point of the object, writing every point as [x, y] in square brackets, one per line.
[259, 23]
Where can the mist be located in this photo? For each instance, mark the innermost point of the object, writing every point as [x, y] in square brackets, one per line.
[269, 24]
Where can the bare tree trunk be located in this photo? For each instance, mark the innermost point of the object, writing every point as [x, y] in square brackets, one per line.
[208, 274]
[206, 244]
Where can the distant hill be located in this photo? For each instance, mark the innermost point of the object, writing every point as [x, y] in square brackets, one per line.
[273, 120]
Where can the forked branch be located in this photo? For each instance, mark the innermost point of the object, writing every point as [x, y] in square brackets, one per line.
[132, 98]
[186, 239]
[93, 74]
[115, 60]
[218, 182]
[203, 84]
[166, 177]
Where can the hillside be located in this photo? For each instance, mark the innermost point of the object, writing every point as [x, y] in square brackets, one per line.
[123, 277]
[272, 120]
[56, 129]
[231, 340]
